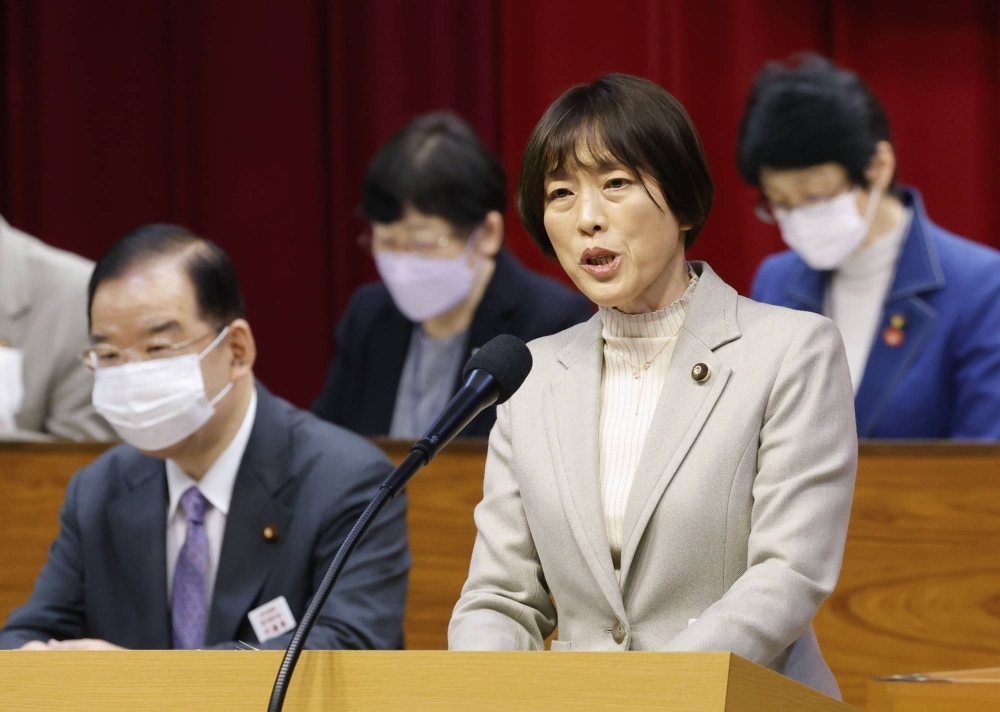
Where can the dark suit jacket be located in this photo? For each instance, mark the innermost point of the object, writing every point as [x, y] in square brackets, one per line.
[373, 338]
[106, 573]
[942, 379]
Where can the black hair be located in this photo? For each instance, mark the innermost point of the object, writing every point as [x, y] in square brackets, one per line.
[618, 119]
[806, 112]
[216, 287]
[437, 165]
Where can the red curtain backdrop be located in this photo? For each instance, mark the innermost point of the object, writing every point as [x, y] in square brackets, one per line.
[252, 122]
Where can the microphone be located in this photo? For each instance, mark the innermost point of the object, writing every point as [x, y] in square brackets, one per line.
[491, 376]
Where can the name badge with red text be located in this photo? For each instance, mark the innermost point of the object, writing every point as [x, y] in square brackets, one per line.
[272, 619]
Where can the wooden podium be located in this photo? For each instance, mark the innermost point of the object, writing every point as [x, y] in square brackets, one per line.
[962, 691]
[405, 680]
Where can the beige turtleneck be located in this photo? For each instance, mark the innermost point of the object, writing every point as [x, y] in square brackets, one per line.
[630, 391]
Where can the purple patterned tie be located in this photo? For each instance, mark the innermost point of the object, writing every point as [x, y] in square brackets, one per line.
[190, 597]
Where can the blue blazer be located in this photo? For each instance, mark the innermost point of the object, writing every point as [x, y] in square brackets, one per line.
[106, 576]
[943, 379]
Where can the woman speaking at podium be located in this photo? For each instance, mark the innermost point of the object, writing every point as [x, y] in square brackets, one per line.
[676, 473]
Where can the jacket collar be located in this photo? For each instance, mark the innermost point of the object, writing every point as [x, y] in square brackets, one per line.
[711, 317]
[918, 269]
[918, 272]
[15, 297]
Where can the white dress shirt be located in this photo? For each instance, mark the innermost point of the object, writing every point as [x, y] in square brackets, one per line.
[857, 294]
[217, 487]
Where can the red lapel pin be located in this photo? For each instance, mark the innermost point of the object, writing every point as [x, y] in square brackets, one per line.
[893, 334]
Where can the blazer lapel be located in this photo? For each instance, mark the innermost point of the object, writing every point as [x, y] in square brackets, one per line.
[572, 412]
[898, 344]
[684, 405]
[137, 521]
[247, 557]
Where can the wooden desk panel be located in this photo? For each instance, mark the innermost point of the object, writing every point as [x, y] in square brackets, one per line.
[920, 588]
[966, 691]
[34, 478]
[218, 681]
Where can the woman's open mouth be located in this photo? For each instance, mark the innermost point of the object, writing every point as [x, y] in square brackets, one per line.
[599, 262]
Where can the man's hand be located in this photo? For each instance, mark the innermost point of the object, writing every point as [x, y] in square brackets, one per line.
[34, 645]
[82, 644]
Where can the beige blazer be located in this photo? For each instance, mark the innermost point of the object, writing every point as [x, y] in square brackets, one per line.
[736, 521]
[43, 312]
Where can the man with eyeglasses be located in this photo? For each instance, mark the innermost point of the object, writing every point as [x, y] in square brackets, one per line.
[435, 198]
[214, 523]
[918, 307]
[44, 390]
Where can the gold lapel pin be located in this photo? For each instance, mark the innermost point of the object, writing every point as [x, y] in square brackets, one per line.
[270, 533]
[701, 372]
[898, 321]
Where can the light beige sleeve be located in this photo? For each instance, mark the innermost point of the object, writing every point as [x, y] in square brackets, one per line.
[806, 465]
[504, 603]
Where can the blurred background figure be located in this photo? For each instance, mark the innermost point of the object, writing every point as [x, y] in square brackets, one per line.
[918, 307]
[44, 387]
[435, 198]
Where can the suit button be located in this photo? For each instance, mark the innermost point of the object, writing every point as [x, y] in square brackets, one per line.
[618, 632]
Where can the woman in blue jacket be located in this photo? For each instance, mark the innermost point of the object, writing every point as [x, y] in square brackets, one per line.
[918, 307]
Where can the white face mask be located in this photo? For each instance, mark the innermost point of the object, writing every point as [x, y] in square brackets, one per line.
[825, 234]
[11, 387]
[425, 287]
[153, 405]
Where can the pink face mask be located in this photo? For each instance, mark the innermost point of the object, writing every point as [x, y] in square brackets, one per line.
[425, 287]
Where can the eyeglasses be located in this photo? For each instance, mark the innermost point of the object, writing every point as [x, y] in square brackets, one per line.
[108, 356]
[418, 245]
[765, 210]
[762, 209]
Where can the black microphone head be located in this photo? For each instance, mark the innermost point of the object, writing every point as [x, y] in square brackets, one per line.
[507, 359]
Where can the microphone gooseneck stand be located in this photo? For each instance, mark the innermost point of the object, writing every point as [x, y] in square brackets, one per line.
[413, 462]
[479, 391]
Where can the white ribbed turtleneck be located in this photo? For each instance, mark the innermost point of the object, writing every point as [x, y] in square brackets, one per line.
[630, 391]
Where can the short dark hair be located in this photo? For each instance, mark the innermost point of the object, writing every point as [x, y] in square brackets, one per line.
[805, 112]
[437, 165]
[216, 287]
[619, 119]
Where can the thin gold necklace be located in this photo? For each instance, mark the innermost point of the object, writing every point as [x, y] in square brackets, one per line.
[638, 371]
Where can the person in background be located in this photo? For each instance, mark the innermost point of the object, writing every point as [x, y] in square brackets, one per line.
[223, 499]
[918, 307]
[435, 198]
[44, 389]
